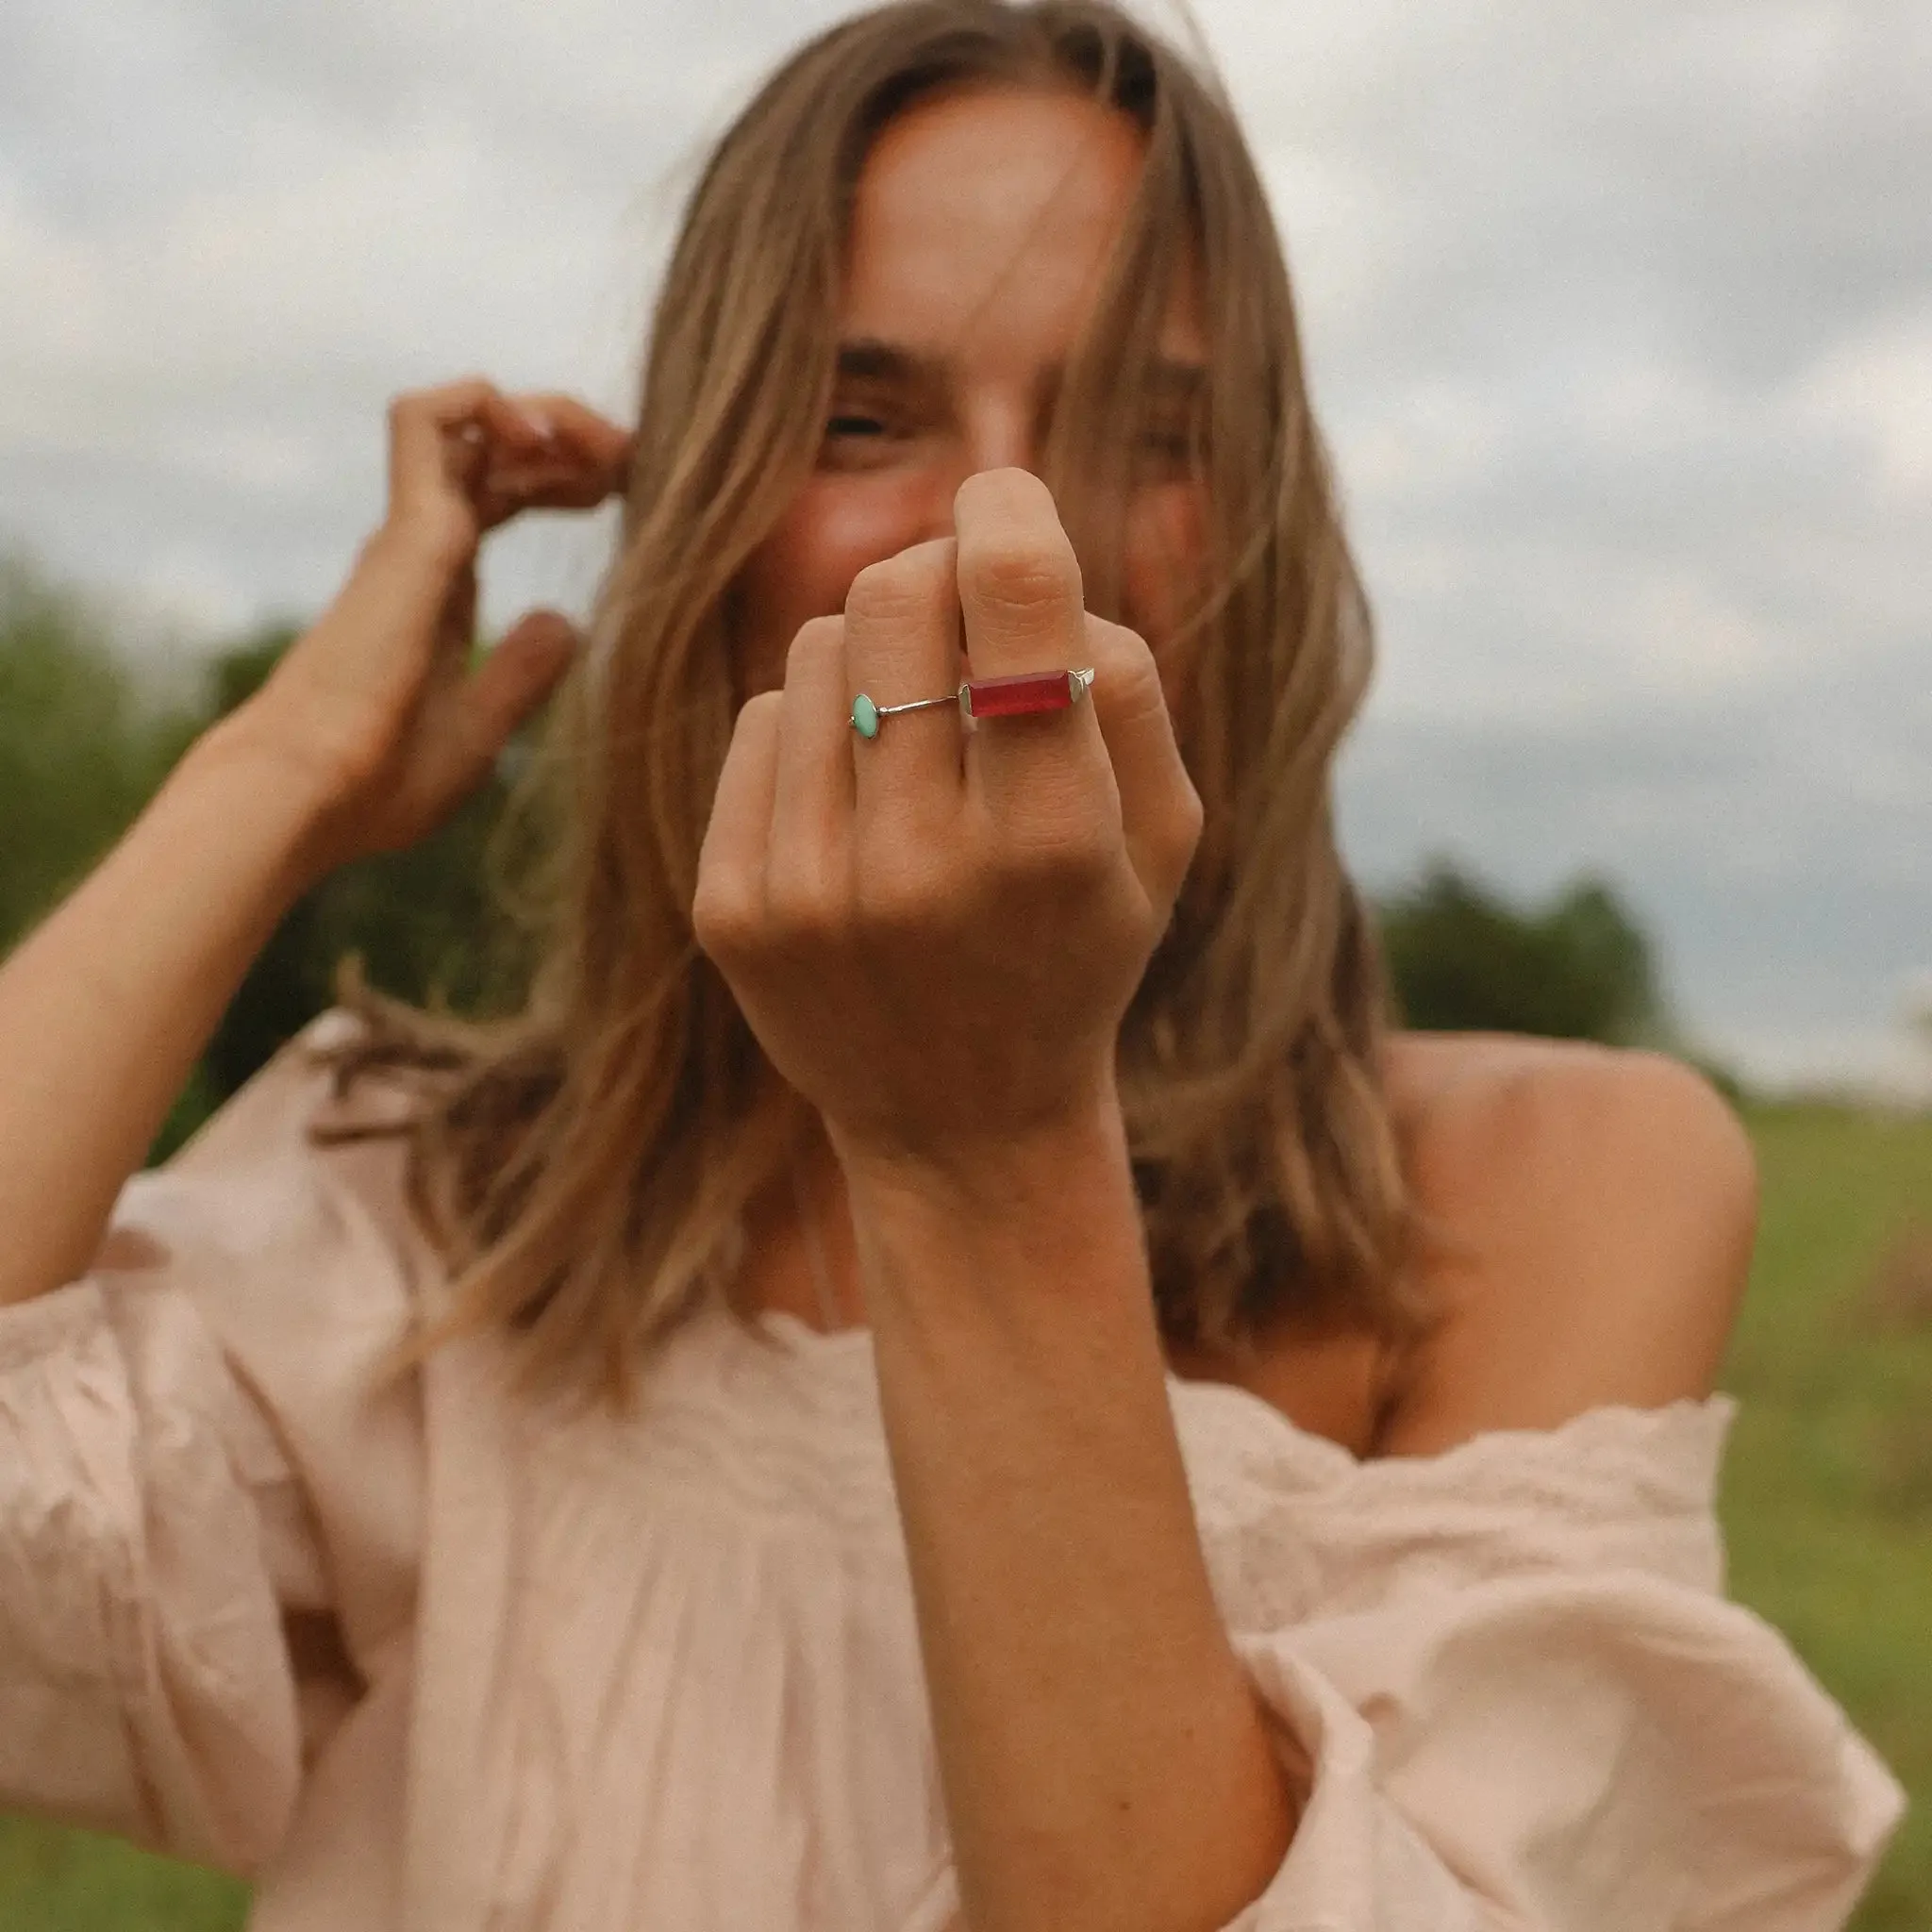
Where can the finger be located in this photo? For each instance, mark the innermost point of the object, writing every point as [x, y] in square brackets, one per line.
[523, 669]
[585, 458]
[728, 906]
[1160, 811]
[812, 796]
[604, 446]
[562, 481]
[1020, 591]
[902, 646]
[440, 440]
[486, 707]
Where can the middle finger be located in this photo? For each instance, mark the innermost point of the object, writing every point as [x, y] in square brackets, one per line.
[1021, 595]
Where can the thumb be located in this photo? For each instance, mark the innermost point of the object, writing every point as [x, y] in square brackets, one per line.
[513, 680]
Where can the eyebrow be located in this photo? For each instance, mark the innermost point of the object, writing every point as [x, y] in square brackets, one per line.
[871, 358]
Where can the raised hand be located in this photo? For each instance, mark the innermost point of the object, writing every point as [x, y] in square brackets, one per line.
[377, 702]
[935, 933]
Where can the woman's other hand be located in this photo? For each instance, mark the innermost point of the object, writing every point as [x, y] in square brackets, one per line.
[936, 933]
[377, 702]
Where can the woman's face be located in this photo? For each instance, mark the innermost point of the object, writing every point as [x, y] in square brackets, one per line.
[980, 235]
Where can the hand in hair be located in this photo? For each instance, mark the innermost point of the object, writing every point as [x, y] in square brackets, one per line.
[935, 934]
[376, 701]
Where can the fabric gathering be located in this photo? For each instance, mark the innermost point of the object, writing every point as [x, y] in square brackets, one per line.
[427, 1659]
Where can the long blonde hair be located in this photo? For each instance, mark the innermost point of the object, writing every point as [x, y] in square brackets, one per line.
[586, 1164]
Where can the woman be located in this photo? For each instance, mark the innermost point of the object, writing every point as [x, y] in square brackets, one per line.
[948, 1369]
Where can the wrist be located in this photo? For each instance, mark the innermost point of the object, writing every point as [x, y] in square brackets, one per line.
[1022, 1171]
[275, 790]
[1028, 1233]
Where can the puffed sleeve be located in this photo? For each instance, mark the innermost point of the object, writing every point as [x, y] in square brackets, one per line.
[1527, 1703]
[206, 1519]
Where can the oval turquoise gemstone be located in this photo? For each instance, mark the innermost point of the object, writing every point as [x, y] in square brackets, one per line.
[865, 716]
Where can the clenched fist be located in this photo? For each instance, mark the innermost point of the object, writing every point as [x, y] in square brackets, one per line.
[936, 933]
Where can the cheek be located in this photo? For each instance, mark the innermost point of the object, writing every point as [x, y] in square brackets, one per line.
[837, 524]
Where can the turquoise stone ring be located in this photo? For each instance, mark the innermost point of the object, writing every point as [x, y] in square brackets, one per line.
[865, 716]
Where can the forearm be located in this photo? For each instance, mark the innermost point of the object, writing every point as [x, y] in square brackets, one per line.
[1104, 1760]
[106, 1006]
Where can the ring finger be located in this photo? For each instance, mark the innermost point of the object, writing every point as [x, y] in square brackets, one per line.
[902, 647]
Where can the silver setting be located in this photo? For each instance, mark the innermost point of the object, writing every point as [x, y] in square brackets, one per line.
[952, 697]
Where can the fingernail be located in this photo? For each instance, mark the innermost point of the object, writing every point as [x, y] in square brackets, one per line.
[540, 424]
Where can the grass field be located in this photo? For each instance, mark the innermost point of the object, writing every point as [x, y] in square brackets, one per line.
[1827, 1506]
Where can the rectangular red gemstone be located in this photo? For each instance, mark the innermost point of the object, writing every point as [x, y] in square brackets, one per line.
[1007, 697]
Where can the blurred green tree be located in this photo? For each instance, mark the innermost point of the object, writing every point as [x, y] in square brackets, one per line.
[1464, 959]
[81, 748]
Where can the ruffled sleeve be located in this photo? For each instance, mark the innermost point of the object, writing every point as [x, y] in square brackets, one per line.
[207, 1522]
[1525, 1700]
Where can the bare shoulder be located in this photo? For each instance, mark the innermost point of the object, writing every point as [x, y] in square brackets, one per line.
[1594, 1214]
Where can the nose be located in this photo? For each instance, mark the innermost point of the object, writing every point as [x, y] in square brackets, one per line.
[995, 435]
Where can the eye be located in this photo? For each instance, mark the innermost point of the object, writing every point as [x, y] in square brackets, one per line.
[860, 439]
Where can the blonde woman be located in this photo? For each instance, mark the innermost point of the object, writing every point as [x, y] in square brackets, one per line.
[950, 1368]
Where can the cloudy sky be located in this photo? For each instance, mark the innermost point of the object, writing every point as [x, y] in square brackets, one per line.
[1620, 320]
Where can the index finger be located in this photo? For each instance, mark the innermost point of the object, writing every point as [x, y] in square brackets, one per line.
[604, 445]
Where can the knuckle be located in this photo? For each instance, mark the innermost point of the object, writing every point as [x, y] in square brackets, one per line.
[1192, 816]
[889, 591]
[759, 719]
[1128, 668]
[802, 906]
[723, 912]
[897, 895]
[1124, 652]
[1064, 852]
[1062, 839]
[816, 639]
[1184, 834]
[1020, 572]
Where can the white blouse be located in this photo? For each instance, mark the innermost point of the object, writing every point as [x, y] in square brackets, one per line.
[432, 1659]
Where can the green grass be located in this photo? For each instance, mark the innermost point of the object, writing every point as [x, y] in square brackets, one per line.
[72, 1881]
[1827, 1508]
[1827, 1501]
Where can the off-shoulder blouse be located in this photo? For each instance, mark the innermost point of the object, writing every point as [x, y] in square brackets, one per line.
[431, 1658]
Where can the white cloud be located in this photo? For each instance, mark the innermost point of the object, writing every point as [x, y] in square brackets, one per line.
[1617, 320]
[1877, 385]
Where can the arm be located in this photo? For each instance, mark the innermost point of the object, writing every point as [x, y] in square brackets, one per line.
[1103, 1759]
[935, 937]
[105, 1009]
[364, 738]
[934, 940]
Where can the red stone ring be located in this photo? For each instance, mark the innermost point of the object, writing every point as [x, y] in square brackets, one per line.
[987, 697]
